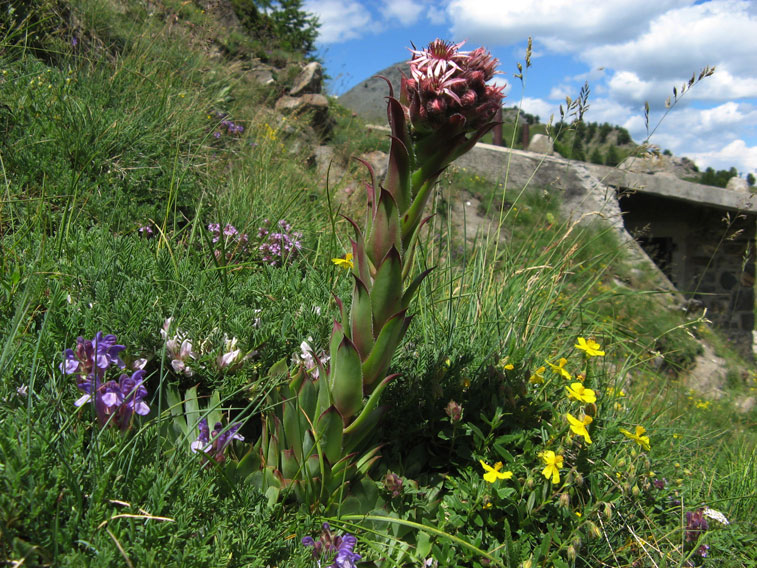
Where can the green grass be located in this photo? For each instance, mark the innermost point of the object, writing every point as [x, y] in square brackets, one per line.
[101, 141]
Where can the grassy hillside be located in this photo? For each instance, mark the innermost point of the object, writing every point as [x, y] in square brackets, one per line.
[134, 205]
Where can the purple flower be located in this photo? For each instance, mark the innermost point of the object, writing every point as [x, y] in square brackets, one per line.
[214, 443]
[393, 483]
[98, 353]
[146, 231]
[329, 547]
[696, 525]
[216, 134]
[279, 246]
[119, 400]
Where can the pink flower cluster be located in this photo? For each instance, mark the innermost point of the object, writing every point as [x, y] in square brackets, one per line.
[281, 245]
[447, 84]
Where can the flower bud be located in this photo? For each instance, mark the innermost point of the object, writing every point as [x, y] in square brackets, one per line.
[578, 479]
[564, 500]
[608, 510]
[593, 530]
[635, 490]
[571, 551]
[454, 411]
[393, 483]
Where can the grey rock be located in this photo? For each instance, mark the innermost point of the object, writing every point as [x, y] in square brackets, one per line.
[541, 144]
[295, 105]
[379, 162]
[368, 98]
[262, 74]
[737, 183]
[309, 81]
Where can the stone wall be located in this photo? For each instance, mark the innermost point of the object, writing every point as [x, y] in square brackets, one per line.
[701, 237]
[707, 253]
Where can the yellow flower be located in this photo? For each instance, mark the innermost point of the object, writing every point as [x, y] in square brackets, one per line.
[538, 377]
[560, 368]
[619, 393]
[345, 262]
[639, 437]
[579, 426]
[577, 391]
[488, 505]
[676, 436]
[493, 474]
[504, 365]
[591, 347]
[553, 465]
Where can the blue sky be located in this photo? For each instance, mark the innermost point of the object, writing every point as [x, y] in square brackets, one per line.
[628, 51]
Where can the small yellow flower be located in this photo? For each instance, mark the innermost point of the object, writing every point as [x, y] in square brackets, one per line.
[493, 474]
[578, 514]
[504, 365]
[553, 465]
[345, 262]
[590, 347]
[577, 391]
[619, 393]
[538, 377]
[560, 368]
[579, 426]
[488, 505]
[639, 437]
[676, 436]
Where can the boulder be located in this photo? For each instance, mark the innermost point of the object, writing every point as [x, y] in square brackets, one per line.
[737, 183]
[309, 81]
[541, 144]
[314, 105]
[379, 162]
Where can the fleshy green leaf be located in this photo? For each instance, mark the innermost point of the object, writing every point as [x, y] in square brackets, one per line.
[329, 428]
[361, 322]
[383, 350]
[346, 380]
[386, 294]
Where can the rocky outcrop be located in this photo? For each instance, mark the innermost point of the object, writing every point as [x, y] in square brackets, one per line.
[737, 183]
[660, 164]
[309, 81]
[541, 144]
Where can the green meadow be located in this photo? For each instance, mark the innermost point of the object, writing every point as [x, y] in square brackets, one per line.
[540, 414]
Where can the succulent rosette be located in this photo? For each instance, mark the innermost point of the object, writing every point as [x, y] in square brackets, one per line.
[314, 438]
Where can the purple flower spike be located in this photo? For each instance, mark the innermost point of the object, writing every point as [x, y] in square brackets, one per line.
[340, 550]
[214, 443]
[98, 353]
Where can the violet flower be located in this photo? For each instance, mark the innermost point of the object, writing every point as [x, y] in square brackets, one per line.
[339, 550]
[696, 527]
[113, 400]
[213, 444]
[98, 353]
[279, 246]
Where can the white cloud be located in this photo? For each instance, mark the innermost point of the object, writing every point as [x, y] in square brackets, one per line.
[340, 20]
[737, 154]
[406, 12]
[436, 15]
[561, 25]
[684, 40]
[543, 109]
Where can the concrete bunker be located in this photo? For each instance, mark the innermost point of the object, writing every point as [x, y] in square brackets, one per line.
[705, 251]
